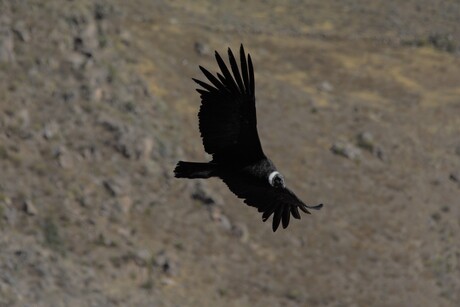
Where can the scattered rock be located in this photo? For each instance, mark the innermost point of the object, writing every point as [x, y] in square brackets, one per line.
[203, 194]
[115, 187]
[346, 150]
[443, 42]
[325, 86]
[240, 231]
[87, 41]
[6, 50]
[144, 255]
[24, 118]
[436, 216]
[455, 177]
[219, 217]
[98, 94]
[457, 150]
[50, 130]
[109, 123]
[141, 258]
[167, 263]
[29, 208]
[202, 48]
[380, 154]
[445, 209]
[101, 11]
[8, 211]
[89, 152]
[131, 144]
[146, 148]
[436, 182]
[126, 233]
[65, 159]
[225, 223]
[168, 282]
[103, 240]
[7, 54]
[52, 235]
[21, 31]
[440, 41]
[125, 37]
[125, 203]
[365, 140]
[76, 61]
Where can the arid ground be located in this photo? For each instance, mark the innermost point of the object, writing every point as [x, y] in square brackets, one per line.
[358, 105]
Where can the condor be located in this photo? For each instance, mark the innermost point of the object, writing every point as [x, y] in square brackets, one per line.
[228, 127]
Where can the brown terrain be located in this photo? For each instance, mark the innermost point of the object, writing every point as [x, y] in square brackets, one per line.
[358, 105]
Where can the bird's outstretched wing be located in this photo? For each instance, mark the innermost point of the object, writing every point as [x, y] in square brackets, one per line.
[227, 116]
[281, 202]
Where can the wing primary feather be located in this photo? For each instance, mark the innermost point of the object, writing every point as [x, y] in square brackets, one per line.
[277, 218]
[233, 89]
[251, 75]
[202, 92]
[204, 85]
[228, 80]
[268, 213]
[295, 212]
[213, 79]
[244, 69]
[236, 72]
[263, 207]
[286, 216]
[304, 207]
[317, 207]
[222, 79]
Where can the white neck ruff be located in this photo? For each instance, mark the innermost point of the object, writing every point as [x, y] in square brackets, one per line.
[272, 176]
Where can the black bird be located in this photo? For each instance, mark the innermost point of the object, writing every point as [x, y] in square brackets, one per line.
[228, 127]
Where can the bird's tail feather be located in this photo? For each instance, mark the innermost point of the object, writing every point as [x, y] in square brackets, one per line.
[194, 170]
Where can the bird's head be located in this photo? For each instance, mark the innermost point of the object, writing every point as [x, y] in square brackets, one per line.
[276, 180]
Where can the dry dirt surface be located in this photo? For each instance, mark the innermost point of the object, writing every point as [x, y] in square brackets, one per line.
[358, 105]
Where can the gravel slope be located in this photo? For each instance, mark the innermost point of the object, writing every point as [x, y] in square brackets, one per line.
[358, 105]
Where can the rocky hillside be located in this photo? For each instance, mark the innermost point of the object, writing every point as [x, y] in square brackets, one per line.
[358, 105]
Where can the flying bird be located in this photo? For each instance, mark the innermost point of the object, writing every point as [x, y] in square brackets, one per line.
[228, 127]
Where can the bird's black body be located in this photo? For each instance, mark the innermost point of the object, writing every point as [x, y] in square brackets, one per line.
[228, 127]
